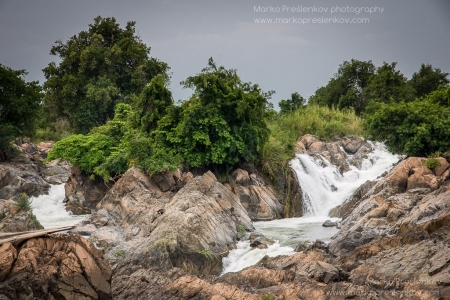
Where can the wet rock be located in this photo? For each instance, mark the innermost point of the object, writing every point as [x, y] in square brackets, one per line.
[56, 172]
[258, 240]
[351, 144]
[303, 246]
[329, 223]
[55, 267]
[360, 157]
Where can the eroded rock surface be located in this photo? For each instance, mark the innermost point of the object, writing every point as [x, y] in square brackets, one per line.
[192, 229]
[257, 197]
[54, 267]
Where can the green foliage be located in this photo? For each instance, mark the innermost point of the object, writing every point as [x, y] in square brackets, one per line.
[99, 68]
[119, 253]
[24, 202]
[427, 80]
[432, 163]
[344, 90]
[207, 253]
[109, 150]
[222, 124]
[327, 123]
[267, 297]
[19, 108]
[2, 216]
[415, 128]
[241, 228]
[153, 102]
[292, 104]
[388, 83]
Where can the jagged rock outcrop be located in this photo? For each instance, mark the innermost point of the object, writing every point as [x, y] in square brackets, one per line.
[343, 210]
[54, 267]
[14, 219]
[256, 196]
[403, 200]
[21, 176]
[83, 193]
[192, 229]
[331, 151]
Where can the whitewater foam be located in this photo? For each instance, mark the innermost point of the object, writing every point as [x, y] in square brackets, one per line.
[51, 211]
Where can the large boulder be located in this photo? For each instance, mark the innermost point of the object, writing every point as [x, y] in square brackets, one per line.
[54, 267]
[83, 193]
[257, 197]
[192, 229]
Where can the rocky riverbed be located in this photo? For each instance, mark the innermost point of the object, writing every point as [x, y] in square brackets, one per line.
[165, 237]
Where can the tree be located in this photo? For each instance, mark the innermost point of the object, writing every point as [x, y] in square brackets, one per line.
[221, 125]
[99, 68]
[153, 102]
[344, 90]
[388, 83]
[292, 104]
[19, 108]
[427, 79]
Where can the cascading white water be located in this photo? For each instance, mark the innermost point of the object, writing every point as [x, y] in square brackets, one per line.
[323, 188]
[51, 211]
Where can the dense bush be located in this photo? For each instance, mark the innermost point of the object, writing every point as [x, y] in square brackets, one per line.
[416, 128]
[221, 125]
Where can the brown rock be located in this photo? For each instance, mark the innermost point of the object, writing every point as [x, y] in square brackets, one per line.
[82, 193]
[8, 255]
[57, 267]
[443, 166]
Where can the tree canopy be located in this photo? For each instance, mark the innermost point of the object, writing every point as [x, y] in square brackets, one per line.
[99, 68]
[292, 104]
[19, 107]
[221, 124]
[427, 80]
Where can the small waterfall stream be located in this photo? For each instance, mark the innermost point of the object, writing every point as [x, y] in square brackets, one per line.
[51, 211]
[323, 188]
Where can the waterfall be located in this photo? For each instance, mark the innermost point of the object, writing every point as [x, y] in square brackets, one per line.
[50, 210]
[323, 188]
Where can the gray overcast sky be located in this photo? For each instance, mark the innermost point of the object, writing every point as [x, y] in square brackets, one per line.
[287, 58]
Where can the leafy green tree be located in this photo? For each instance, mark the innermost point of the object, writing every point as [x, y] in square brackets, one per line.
[222, 124]
[19, 108]
[388, 83]
[427, 79]
[418, 128]
[292, 104]
[99, 68]
[152, 103]
[344, 90]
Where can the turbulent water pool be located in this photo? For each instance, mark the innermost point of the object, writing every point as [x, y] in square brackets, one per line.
[323, 187]
[51, 211]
